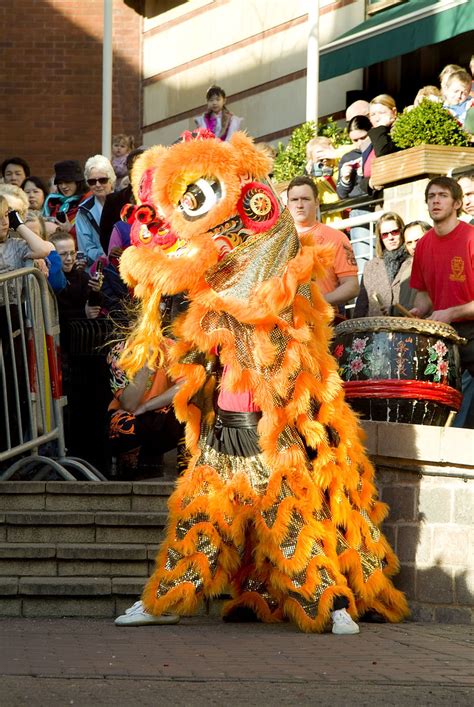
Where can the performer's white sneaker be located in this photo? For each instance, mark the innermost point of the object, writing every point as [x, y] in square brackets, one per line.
[343, 624]
[136, 615]
[134, 607]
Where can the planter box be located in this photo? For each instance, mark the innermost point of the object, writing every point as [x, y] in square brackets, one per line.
[421, 161]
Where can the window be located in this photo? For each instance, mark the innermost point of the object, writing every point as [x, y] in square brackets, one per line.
[374, 6]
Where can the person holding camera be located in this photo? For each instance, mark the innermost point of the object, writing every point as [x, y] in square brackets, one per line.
[78, 296]
[321, 165]
[353, 182]
[61, 206]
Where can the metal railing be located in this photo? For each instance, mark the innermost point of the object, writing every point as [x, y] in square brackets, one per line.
[31, 400]
[363, 244]
[367, 221]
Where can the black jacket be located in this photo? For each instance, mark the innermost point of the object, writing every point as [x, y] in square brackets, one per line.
[111, 213]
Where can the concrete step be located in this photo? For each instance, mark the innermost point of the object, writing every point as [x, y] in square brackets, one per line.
[75, 596]
[76, 560]
[84, 496]
[81, 527]
[77, 548]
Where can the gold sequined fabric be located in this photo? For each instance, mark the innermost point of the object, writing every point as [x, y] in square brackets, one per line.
[286, 530]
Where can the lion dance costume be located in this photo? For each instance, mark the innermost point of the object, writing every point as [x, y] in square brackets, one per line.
[278, 505]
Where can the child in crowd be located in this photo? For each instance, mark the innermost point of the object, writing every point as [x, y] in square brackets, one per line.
[73, 292]
[218, 118]
[323, 170]
[122, 145]
[430, 92]
[457, 97]
[446, 73]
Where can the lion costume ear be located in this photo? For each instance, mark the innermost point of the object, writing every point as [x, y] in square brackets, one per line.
[142, 173]
[251, 159]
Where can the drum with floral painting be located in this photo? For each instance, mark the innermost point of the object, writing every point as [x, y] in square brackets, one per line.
[400, 370]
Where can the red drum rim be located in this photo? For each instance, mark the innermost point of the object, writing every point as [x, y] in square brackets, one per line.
[408, 389]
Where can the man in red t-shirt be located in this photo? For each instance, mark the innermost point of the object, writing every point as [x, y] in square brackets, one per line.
[443, 267]
[340, 283]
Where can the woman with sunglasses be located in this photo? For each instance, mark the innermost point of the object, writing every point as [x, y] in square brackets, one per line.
[385, 282]
[100, 178]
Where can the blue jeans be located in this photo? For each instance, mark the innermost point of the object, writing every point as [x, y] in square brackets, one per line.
[465, 416]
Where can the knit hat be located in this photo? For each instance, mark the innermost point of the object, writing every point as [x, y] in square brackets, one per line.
[68, 171]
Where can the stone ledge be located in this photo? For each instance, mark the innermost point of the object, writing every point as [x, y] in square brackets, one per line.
[33, 551]
[22, 487]
[22, 502]
[157, 488]
[131, 519]
[88, 503]
[128, 585]
[99, 568]
[10, 607]
[30, 567]
[64, 518]
[60, 606]
[422, 444]
[8, 586]
[89, 488]
[49, 518]
[101, 552]
[64, 586]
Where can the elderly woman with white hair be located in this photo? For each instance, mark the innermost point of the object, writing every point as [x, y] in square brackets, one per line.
[100, 178]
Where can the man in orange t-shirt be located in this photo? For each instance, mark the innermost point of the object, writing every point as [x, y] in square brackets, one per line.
[340, 283]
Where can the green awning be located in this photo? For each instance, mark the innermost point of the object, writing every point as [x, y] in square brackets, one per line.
[396, 31]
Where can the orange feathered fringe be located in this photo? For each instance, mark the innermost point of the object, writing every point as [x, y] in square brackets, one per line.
[311, 532]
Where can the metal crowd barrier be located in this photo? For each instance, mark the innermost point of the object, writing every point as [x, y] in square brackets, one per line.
[31, 399]
[366, 241]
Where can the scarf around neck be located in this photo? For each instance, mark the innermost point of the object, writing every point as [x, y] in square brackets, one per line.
[393, 260]
[65, 202]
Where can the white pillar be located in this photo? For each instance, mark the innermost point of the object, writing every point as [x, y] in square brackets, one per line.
[107, 57]
[312, 62]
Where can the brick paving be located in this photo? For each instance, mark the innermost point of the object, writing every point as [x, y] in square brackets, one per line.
[203, 661]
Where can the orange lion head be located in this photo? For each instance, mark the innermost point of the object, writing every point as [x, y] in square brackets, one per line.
[197, 199]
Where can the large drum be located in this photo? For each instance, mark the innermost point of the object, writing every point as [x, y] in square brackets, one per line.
[398, 369]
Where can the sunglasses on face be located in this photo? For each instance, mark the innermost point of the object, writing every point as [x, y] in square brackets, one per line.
[396, 232]
[99, 180]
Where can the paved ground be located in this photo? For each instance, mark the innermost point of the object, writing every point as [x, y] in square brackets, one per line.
[203, 661]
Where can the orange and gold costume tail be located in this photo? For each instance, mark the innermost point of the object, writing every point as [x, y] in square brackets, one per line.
[297, 525]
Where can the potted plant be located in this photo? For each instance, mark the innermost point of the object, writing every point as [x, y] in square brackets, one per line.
[431, 142]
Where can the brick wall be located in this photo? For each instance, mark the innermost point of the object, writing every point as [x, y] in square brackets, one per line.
[408, 200]
[426, 476]
[51, 59]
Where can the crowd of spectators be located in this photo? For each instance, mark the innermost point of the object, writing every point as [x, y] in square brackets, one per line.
[342, 177]
[72, 230]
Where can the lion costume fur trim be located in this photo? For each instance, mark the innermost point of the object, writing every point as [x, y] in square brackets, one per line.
[274, 343]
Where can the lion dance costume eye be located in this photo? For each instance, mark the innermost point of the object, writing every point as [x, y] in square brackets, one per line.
[287, 520]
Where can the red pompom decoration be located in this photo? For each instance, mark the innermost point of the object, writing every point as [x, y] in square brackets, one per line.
[146, 213]
[198, 134]
[127, 213]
